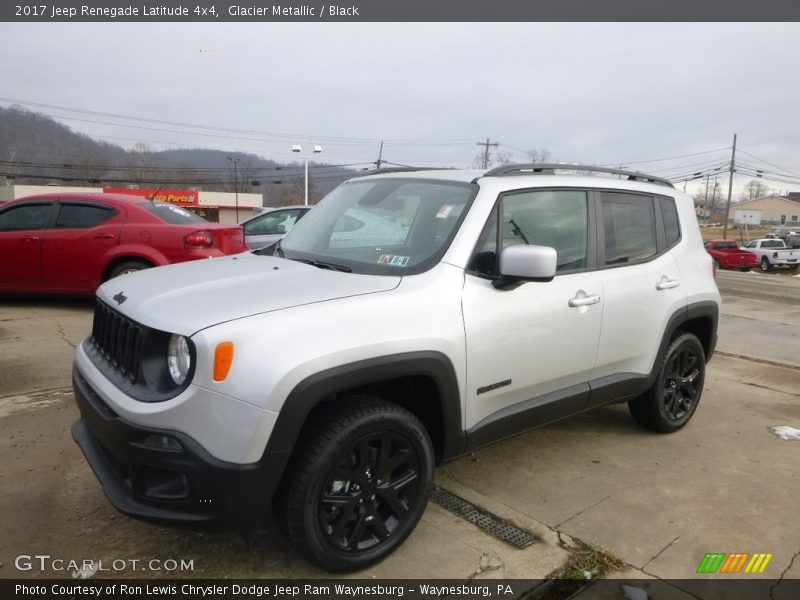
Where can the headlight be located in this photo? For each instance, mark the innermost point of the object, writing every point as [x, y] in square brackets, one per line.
[179, 360]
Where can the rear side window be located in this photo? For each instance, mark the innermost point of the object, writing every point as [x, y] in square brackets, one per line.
[169, 213]
[81, 216]
[28, 216]
[629, 226]
[669, 215]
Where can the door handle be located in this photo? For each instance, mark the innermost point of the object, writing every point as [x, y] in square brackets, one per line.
[583, 301]
[667, 284]
[104, 236]
[31, 238]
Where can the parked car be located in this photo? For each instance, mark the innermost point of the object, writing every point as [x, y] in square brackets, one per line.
[271, 225]
[728, 255]
[71, 243]
[483, 305]
[772, 253]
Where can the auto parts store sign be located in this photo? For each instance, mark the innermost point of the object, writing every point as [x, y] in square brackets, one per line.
[179, 197]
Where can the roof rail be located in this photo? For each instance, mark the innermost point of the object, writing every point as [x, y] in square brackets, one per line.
[551, 168]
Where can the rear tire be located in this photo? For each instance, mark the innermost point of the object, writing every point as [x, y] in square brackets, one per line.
[358, 485]
[129, 266]
[672, 399]
[717, 264]
[765, 266]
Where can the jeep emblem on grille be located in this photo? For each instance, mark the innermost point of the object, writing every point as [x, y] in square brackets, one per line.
[120, 298]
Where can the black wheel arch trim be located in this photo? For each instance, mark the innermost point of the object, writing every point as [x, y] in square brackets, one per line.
[707, 309]
[318, 387]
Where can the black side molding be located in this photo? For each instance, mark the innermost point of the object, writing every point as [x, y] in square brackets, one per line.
[321, 386]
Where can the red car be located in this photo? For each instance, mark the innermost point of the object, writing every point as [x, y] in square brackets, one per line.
[728, 255]
[71, 243]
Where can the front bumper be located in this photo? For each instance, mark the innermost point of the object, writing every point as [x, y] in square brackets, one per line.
[185, 486]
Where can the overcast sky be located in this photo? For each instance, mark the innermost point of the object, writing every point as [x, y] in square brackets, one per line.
[590, 93]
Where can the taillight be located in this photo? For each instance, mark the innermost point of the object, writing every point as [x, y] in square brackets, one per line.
[199, 239]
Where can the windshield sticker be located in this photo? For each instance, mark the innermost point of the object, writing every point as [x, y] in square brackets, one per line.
[395, 261]
[444, 211]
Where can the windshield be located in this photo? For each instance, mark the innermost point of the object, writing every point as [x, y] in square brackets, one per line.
[381, 226]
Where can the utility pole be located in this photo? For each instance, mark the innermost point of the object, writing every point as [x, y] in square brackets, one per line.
[730, 189]
[379, 162]
[705, 200]
[235, 162]
[486, 144]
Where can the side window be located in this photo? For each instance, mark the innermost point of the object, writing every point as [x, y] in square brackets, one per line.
[554, 218]
[629, 226]
[669, 215]
[81, 216]
[28, 216]
[274, 223]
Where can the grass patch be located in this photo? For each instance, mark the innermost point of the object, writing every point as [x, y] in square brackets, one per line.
[586, 559]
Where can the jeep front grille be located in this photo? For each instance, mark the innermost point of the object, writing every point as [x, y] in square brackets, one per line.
[118, 339]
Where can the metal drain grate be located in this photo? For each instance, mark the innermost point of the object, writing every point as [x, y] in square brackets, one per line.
[483, 519]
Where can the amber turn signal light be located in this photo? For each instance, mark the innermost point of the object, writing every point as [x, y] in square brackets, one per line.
[223, 359]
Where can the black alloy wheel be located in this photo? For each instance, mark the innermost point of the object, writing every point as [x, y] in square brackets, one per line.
[673, 397]
[370, 491]
[680, 384]
[357, 484]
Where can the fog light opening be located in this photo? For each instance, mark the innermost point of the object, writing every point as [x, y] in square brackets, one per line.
[162, 442]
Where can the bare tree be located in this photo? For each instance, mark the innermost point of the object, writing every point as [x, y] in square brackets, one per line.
[494, 158]
[142, 164]
[542, 155]
[754, 189]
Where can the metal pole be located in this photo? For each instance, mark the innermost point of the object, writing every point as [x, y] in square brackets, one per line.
[235, 163]
[236, 186]
[705, 200]
[730, 189]
[306, 196]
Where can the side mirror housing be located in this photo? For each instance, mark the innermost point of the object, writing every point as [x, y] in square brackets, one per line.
[523, 263]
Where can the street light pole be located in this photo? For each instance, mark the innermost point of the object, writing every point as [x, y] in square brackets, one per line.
[235, 162]
[298, 149]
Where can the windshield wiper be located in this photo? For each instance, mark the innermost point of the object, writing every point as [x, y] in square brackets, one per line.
[325, 265]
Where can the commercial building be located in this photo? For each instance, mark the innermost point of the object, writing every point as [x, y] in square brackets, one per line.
[771, 210]
[217, 207]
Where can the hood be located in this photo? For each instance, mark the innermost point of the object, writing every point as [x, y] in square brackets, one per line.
[187, 297]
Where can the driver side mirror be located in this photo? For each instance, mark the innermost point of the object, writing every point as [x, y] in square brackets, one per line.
[519, 264]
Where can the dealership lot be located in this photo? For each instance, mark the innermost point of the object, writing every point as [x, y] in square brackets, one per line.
[659, 503]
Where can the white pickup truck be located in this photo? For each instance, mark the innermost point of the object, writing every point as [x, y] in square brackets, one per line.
[773, 253]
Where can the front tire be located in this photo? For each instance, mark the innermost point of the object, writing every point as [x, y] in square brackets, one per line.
[359, 483]
[672, 399]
